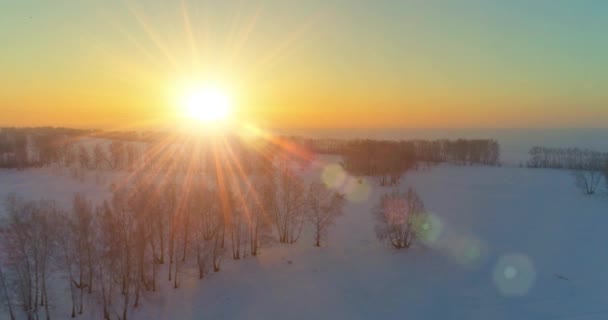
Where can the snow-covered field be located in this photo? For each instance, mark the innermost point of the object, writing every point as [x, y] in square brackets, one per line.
[509, 243]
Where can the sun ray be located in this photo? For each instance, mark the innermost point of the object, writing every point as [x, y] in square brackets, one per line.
[152, 35]
[190, 34]
[274, 54]
[244, 35]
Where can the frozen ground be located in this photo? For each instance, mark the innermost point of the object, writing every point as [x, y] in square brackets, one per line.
[510, 243]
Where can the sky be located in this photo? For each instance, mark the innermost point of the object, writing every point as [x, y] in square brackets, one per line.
[307, 64]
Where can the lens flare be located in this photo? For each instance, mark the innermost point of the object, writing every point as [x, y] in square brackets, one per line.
[334, 176]
[514, 275]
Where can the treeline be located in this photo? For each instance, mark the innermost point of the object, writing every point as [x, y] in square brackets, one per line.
[133, 136]
[34, 147]
[26, 147]
[567, 158]
[152, 229]
[459, 151]
[588, 166]
[389, 160]
[158, 151]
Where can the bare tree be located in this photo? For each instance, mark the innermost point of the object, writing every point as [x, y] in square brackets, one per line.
[606, 173]
[123, 223]
[259, 199]
[324, 206]
[83, 157]
[5, 294]
[399, 218]
[107, 266]
[117, 154]
[28, 243]
[84, 220]
[209, 224]
[67, 244]
[288, 203]
[589, 176]
[99, 156]
[203, 207]
[238, 226]
[131, 155]
[587, 180]
[68, 154]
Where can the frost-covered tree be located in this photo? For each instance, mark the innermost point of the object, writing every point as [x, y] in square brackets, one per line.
[99, 156]
[587, 180]
[83, 157]
[6, 297]
[81, 223]
[117, 154]
[324, 205]
[131, 156]
[589, 176]
[288, 203]
[27, 241]
[259, 199]
[399, 218]
[606, 174]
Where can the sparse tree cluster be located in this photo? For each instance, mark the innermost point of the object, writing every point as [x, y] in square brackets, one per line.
[288, 201]
[566, 158]
[400, 218]
[27, 245]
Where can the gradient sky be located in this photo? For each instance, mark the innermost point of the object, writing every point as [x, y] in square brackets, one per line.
[314, 63]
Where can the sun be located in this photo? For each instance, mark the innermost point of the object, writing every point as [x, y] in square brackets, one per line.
[208, 104]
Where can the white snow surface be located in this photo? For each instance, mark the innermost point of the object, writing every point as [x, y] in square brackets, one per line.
[511, 243]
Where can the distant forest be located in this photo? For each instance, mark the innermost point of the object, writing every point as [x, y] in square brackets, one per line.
[30, 147]
[567, 158]
[389, 160]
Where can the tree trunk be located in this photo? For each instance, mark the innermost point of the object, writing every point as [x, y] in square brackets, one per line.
[6, 296]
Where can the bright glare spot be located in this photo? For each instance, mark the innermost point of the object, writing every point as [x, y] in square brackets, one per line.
[334, 176]
[514, 275]
[208, 104]
[431, 229]
[510, 272]
[467, 250]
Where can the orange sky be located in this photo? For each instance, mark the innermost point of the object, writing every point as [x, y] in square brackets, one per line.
[117, 64]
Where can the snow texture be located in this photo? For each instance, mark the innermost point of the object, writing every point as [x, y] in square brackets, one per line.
[506, 243]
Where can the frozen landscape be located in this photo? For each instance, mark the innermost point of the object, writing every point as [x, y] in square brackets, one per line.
[318, 159]
[505, 242]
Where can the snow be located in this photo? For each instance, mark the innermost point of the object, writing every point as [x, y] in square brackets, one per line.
[509, 243]
[51, 184]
